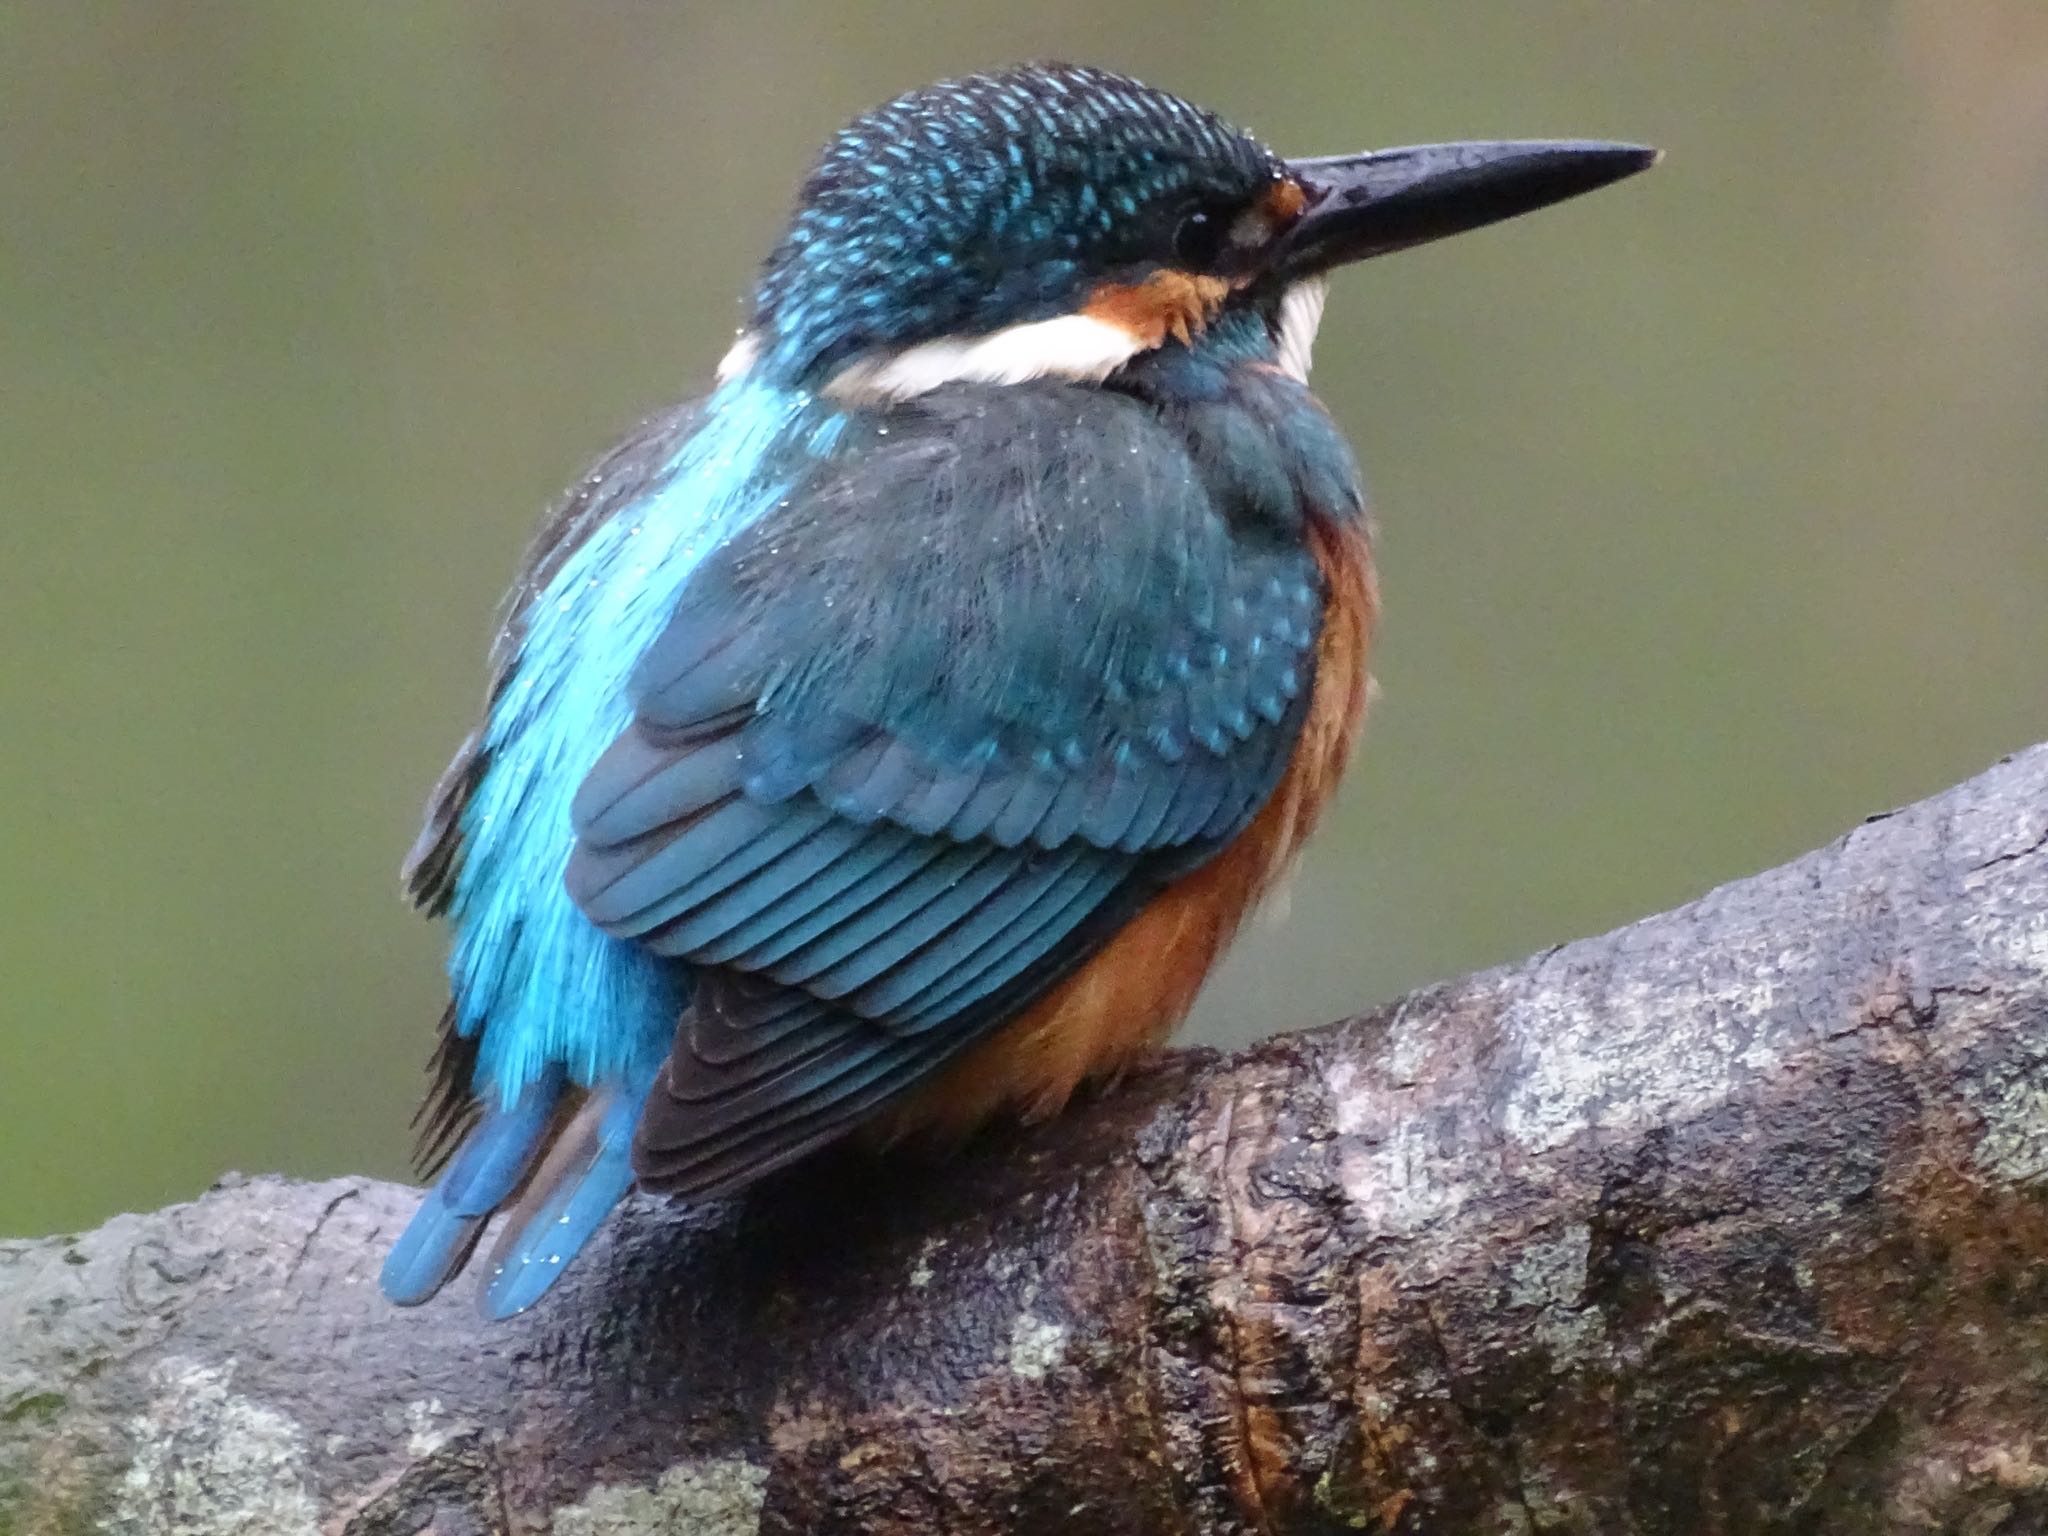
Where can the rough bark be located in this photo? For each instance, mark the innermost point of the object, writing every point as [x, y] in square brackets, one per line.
[1735, 1220]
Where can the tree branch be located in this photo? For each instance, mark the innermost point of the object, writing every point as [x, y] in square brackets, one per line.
[1735, 1220]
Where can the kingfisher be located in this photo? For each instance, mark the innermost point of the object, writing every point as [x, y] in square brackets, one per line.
[893, 738]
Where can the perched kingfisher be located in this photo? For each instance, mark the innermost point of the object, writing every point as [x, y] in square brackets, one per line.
[896, 736]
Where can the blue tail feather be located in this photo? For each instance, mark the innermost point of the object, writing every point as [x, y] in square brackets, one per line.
[431, 1251]
[589, 1170]
[486, 1171]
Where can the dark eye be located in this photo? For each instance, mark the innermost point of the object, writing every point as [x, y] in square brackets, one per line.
[1198, 238]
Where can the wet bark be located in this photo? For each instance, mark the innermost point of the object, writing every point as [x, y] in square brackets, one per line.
[1735, 1220]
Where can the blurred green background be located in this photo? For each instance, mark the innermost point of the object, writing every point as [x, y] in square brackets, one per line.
[1712, 507]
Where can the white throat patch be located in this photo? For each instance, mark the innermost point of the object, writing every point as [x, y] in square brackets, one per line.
[1301, 312]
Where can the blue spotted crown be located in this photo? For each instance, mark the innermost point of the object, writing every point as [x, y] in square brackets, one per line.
[992, 198]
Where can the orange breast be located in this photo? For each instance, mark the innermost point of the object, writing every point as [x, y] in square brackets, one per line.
[1138, 988]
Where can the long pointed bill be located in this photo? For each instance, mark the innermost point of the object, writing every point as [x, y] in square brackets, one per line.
[1389, 199]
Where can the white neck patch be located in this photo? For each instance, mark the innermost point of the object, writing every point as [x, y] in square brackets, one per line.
[1079, 347]
[739, 357]
[1301, 313]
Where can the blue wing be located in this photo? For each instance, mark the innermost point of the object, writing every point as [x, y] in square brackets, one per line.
[918, 741]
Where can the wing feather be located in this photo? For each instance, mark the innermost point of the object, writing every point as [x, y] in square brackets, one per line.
[915, 743]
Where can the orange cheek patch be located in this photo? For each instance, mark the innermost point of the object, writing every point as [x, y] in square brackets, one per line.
[1283, 204]
[1168, 303]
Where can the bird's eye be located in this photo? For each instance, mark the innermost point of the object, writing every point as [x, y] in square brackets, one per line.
[1198, 239]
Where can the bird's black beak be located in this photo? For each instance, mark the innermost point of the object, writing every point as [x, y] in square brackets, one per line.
[1389, 199]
